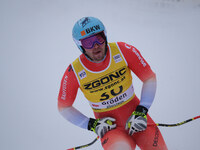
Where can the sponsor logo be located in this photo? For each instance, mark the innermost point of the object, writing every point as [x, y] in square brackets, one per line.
[70, 68]
[92, 29]
[117, 58]
[128, 46]
[94, 105]
[82, 74]
[137, 54]
[83, 33]
[105, 79]
[155, 141]
[64, 87]
[85, 22]
[139, 57]
[89, 30]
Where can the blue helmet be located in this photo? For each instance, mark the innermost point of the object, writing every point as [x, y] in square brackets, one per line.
[86, 27]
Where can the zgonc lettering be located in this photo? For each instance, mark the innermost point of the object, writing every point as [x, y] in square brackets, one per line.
[105, 79]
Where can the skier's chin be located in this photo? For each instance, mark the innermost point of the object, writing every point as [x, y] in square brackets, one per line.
[98, 57]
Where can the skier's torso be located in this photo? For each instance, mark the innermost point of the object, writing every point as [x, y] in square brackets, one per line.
[132, 60]
[108, 88]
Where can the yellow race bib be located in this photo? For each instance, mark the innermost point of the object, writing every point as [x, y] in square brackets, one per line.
[107, 89]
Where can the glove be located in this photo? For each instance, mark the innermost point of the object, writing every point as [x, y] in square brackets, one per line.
[101, 126]
[137, 121]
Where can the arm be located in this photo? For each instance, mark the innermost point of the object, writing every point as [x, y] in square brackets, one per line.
[142, 70]
[67, 94]
[74, 116]
[138, 120]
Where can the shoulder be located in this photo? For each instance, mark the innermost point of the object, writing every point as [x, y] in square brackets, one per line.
[121, 45]
[129, 51]
[126, 48]
[69, 75]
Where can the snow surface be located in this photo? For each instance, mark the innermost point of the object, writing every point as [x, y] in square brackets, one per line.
[36, 47]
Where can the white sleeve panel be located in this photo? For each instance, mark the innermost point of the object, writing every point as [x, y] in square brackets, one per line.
[75, 117]
[148, 92]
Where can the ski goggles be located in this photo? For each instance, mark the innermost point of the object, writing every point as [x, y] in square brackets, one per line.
[89, 42]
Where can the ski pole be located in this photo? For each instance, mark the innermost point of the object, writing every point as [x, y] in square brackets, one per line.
[157, 124]
[176, 124]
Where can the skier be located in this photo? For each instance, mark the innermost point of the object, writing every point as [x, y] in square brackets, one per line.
[103, 73]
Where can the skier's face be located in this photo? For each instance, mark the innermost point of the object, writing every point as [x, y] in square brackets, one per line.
[96, 53]
[95, 46]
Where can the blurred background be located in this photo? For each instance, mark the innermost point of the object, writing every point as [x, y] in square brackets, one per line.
[36, 47]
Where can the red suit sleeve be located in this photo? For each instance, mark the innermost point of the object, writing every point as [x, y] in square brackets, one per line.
[68, 88]
[136, 62]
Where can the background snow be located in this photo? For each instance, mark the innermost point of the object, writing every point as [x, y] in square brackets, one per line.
[36, 47]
